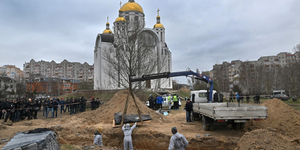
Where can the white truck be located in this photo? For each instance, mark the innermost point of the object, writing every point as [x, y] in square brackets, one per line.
[213, 114]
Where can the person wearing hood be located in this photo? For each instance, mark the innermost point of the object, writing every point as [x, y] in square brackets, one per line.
[98, 137]
[127, 136]
[178, 141]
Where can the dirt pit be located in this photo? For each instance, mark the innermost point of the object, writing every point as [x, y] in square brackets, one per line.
[281, 129]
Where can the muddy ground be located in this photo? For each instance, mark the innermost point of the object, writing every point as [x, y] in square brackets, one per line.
[281, 129]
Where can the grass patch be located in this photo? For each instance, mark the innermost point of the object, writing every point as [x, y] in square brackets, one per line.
[103, 96]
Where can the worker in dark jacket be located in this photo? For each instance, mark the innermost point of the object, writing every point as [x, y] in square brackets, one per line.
[151, 101]
[189, 109]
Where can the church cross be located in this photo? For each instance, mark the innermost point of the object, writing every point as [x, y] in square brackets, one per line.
[107, 18]
[120, 4]
[158, 12]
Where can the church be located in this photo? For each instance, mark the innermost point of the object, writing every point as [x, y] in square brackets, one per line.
[131, 49]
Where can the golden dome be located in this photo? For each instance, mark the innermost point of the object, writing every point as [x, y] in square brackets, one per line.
[107, 31]
[132, 6]
[158, 25]
[120, 19]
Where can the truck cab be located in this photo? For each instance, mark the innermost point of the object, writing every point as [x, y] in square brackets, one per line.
[200, 96]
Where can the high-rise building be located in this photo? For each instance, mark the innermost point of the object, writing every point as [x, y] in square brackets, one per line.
[233, 68]
[65, 69]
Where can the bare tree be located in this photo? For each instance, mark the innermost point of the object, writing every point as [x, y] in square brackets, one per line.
[134, 54]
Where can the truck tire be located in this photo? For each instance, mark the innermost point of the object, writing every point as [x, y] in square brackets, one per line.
[205, 126]
[236, 126]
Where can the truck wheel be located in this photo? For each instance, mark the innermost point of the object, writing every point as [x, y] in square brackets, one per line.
[242, 125]
[205, 126]
[236, 126]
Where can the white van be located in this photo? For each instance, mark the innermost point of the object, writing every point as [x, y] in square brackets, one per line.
[201, 96]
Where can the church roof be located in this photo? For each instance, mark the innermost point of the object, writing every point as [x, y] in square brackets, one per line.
[132, 6]
[158, 25]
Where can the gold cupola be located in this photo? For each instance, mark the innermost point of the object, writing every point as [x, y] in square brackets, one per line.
[107, 30]
[120, 18]
[158, 24]
[131, 5]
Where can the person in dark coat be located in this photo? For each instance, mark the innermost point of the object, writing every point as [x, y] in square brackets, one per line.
[189, 109]
[36, 108]
[257, 97]
[17, 110]
[29, 108]
[93, 103]
[55, 107]
[72, 106]
[76, 104]
[62, 105]
[9, 108]
[49, 108]
[81, 101]
[45, 107]
[97, 102]
[151, 101]
[1, 108]
[248, 98]
[67, 105]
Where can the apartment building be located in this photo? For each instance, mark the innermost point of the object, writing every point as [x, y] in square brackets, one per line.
[65, 69]
[233, 68]
[12, 72]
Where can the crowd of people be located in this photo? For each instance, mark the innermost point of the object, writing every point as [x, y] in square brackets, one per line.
[240, 99]
[157, 102]
[20, 109]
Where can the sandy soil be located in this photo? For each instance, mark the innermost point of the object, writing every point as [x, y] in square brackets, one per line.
[281, 129]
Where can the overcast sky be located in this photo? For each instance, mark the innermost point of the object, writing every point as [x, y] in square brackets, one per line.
[199, 33]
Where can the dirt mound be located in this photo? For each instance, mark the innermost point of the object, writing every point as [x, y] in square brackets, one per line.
[281, 117]
[105, 113]
[266, 139]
